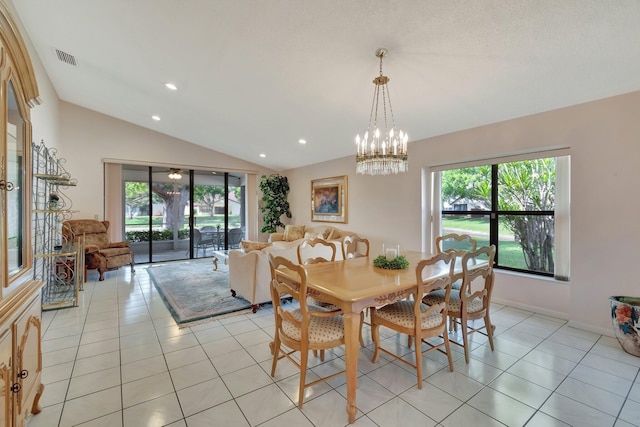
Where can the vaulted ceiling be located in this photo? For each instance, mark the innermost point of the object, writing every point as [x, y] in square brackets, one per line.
[255, 76]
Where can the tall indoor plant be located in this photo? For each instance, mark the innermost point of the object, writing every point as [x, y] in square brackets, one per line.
[275, 189]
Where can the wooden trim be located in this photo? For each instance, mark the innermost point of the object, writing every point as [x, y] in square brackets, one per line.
[19, 54]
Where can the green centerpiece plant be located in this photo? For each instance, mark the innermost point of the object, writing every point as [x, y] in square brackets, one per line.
[398, 263]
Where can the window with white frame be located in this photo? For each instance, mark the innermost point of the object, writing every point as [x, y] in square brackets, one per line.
[520, 206]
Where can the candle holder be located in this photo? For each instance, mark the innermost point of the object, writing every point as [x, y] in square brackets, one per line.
[390, 253]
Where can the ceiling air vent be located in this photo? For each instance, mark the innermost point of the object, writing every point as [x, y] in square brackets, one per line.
[66, 58]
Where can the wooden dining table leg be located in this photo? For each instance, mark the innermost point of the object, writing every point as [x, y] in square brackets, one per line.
[352, 349]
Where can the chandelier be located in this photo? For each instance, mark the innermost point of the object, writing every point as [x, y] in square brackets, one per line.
[381, 151]
[175, 174]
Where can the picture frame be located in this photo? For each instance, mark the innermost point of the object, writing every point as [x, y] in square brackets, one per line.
[329, 199]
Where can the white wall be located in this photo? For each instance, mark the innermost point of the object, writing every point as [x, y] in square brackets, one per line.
[605, 151]
[603, 140]
[88, 137]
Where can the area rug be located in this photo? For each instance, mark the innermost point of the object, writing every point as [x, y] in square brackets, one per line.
[193, 292]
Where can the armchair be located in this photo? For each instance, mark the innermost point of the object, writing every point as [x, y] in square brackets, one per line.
[100, 253]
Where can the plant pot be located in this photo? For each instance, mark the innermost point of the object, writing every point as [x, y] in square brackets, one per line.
[624, 315]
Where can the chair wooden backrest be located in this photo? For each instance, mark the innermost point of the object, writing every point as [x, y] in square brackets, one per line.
[424, 287]
[456, 243]
[477, 282]
[355, 247]
[282, 289]
[459, 244]
[320, 247]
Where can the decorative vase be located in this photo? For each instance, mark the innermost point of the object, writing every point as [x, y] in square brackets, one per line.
[625, 312]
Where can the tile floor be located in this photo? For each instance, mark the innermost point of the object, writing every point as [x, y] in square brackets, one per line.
[120, 360]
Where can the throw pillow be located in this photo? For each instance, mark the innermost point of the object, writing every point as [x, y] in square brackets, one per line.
[333, 235]
[293, 232]
[249, 245]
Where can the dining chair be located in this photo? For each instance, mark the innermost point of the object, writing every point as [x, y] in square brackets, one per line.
[416, 319]
[300, 329]
[459, 244]
[473, 302]
[355, 247]
[313, 251]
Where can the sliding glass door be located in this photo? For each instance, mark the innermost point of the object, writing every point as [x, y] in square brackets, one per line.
[172, 214]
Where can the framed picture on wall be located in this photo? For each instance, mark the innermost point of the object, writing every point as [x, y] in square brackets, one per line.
[329, 199]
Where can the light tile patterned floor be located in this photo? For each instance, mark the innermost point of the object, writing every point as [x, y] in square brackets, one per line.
[120, 360]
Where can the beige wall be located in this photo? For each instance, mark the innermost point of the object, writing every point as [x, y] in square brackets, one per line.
[605, 161]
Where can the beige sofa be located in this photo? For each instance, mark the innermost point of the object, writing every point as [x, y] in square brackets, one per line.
[249, 273]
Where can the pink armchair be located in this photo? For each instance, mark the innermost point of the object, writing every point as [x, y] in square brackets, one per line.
[100, 253]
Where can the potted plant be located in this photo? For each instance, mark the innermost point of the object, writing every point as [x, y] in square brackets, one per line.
[275, 189]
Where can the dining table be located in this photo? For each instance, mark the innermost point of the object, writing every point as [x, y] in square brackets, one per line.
[355, 284]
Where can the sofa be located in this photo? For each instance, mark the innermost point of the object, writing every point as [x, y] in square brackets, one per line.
[249, 273]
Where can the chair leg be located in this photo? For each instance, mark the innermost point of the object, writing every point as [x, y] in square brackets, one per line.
[419, 361]
[304, 355]
[275, 350]
[453, 324]
[375, 334]
[447, 347]
[490, 328]
[465, 338]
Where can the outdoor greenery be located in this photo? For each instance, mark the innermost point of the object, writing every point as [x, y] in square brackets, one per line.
[156, 235]
[526, 186]
[173, 211]
[275, 189]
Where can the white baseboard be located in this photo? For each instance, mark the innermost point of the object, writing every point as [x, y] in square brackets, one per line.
[564, 316]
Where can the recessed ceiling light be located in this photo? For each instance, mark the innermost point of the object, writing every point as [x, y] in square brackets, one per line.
[156, 118]
[263, 155]
[302, 141]
[171, 86]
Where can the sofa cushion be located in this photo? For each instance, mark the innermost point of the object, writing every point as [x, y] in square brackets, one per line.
[109, 252]
[249, 245]
[293, 232]
[311, 236]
